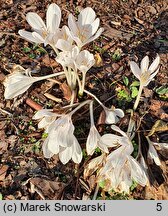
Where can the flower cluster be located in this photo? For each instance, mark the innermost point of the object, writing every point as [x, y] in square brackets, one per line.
[116, 167]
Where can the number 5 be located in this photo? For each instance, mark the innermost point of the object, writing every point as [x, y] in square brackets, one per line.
[159, 207]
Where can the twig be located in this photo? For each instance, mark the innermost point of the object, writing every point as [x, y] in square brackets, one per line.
[33, 104]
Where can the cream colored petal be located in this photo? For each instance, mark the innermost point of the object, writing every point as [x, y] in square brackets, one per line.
[98, 33]
[76, 152]
[28, 36]
[155, 64]
[38, 37]
[72, 24]
[86, 16]
[53, 17]
[145, 64]
[135, 69]
[92, 140]
[110, 140]
[137, 173]
[43, 112]
[47, 153]
[65, 155]
[35, 21]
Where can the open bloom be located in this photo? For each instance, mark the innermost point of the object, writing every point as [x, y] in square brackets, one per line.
[145, 73]
[20, 80]
[85, 29]
[42, 33]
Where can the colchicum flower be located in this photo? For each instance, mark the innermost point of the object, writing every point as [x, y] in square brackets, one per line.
[152, 153]
[121, 168]
[113, 115]
[20, 80]
[62, 141]
[85, 29]
[145, 73]
[47, 34]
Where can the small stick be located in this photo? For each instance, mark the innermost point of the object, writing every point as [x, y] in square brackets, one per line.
[33, 104]
[52, 97]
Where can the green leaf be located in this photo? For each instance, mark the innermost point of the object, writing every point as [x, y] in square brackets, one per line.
[1, 197]
[126, 80]
[162, 90]
[134, 91]
[102, 184]
[26, 49]
[135, 83]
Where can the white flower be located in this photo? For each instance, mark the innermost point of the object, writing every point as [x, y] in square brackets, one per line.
[62, 140]
[84, 61]
[20, 80]
[120, 170]
[152, 153]
[85, 29]
[94, 141]
[145, 73]
[42, 33]
[47, 117]
[113, 115]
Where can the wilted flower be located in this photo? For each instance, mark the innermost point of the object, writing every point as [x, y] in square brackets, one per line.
[120, 168]
[145, 73]
[152, 153]
[20, 80]
[42, 33]
[85, 29]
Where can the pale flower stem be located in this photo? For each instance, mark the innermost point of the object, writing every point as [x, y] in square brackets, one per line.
[96, 192]
[87, 92]
[79, 82]
[72, 97]
[55, 49]
[49, 76]
[138, 98]
[91, 113]
[78, 107]
[83, 84]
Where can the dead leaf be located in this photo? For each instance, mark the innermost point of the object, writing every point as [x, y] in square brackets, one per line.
[3, 170]
[66, 91]
[157, 109]
[49, 189]
[158, 126]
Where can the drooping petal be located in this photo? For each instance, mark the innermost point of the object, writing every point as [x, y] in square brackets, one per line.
[155, 64]
[53, 144]
[137, 173]
[53, 17]
[152, 153]
[65, 155]
[29, 37]
[35, 21]
[76, 152]
[135, 69]
[47, 153]
[144, 64]
[92, 140]
[43, 112]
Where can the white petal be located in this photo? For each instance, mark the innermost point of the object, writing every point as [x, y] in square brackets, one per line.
[153, 74]
[119, 113]
[98, 33]
[63, 45]
[92, 140]
[110, 140]
[72, 24]
[28, 36]
[155, 64]
[95, 25]
[137, 173]
[65, 155]
[43, 112]
[135, 69]
[38, 37]
[153, 154]
[35, 21]
[53, 145]
[47, 153]
[116, 128]
[145, 64]
[76, 152]
[53, 17]
[86, 16]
